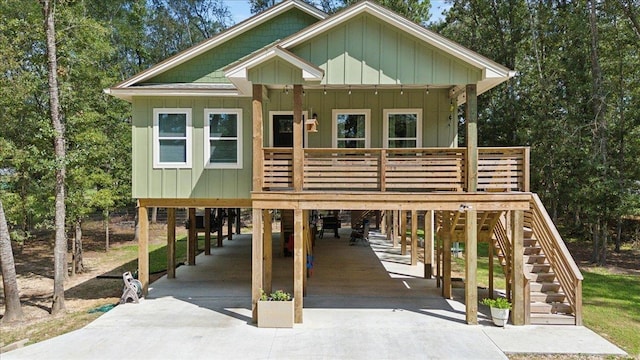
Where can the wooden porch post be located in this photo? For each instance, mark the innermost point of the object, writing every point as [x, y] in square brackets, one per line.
[428, 244]
[298, 265]
[517, 296]
[471, 114]
[207, 231]
[171, 243]
[143, 248]
[446, 256]
[471, 267]
[298, 152]
[229, 225]
[258, 156]
[491, 248]
[305, 249]
[388, 223]
[238, 221]
[219, 224]
[192, 239]
[257, 253]
[403, 232]
[395, 231]
[414, 237]
[268, 251]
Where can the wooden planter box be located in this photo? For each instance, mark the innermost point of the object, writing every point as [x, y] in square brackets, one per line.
[275, 314]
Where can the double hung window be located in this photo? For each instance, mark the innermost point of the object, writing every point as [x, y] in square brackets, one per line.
[223, 134]
[172, 138]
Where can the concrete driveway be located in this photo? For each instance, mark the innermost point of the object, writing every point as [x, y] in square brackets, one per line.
[363, 302]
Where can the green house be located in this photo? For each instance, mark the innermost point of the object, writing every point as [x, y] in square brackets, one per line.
[298, 111]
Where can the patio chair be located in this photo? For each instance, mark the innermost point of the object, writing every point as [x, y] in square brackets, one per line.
[360, 235]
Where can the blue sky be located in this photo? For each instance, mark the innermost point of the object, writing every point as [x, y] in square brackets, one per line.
[241, 10]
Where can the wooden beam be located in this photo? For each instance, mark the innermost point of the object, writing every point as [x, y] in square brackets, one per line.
[414, 237]
[446, 257]
[298, 265]
[403, 232]
[268, 251]
[220, 225]
[143, 249]
[171, 243]
[257, 143]
[517, 259]
[471, 267]
[298, 152]
[195, 203]
[192, 239]
[471, 137]
[428, 244]
[257, 253]
[207, 231]
[526, 170]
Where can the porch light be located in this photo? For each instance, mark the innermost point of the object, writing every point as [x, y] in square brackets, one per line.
[401, 90]
[312, 124]
[427, 90]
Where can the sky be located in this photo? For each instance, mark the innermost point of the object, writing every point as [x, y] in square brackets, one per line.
[241, 10]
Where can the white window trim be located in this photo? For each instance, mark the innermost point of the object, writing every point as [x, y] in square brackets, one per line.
[156, 139]
[207, 142]
[367, 124]
[273, 113]
[385, 117]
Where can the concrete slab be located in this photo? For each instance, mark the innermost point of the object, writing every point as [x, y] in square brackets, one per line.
[363, 302]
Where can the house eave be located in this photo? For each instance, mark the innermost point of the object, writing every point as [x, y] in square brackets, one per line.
[128, 94]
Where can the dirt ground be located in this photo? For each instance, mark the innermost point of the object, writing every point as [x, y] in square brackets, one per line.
[86, 291]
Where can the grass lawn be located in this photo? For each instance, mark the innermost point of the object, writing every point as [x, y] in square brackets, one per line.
[158, 254]
[611, 307]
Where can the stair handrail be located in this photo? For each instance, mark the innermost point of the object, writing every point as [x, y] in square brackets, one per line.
[556, 251]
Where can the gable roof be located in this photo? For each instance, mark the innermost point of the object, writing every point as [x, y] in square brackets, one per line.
[493, 73]
[220, 38]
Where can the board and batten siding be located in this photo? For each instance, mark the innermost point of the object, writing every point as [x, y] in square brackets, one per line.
[194, 182]
[208, 67]
[367, 51]
[438, 129]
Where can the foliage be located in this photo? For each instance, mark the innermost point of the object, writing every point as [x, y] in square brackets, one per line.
[497, 303]
[278, 295]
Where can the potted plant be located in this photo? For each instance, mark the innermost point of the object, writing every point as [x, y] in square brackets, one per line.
[499, 310]
[275, 310]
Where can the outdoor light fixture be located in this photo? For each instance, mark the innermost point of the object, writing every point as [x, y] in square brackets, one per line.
[427, 90]
[401, 90]
[349, 89]
[464, 207]
[376, 92]
[325, 89]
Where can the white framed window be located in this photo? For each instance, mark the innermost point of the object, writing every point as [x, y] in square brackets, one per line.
[223, 138]
[351, 128]
[172, 138]
[402, 128]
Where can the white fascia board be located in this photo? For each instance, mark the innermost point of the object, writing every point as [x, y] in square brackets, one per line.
[221, 38]
[490, 68]
[128, 93]
[238, 74]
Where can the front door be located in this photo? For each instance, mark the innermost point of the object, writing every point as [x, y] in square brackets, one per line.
[282, 129]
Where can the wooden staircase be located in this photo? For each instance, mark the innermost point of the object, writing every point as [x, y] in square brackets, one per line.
[555, 293]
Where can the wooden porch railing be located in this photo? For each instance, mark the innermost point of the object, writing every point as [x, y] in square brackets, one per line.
[398, 170]
[554, 248]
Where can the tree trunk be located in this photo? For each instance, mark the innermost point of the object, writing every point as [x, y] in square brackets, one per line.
[106, 230]
[13, 310]
[618, 235]
[595, 232]
[78, 264]
[60, 247]
[605, 238]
